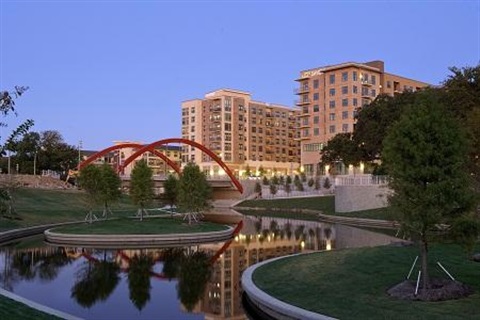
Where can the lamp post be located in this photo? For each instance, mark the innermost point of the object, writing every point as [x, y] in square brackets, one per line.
[35, 163]
[80, 144]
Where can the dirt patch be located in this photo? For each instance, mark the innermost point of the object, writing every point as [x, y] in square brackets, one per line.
[441, 290]
[31, 181]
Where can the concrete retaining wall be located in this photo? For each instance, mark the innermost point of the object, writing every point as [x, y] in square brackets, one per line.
[350, 198]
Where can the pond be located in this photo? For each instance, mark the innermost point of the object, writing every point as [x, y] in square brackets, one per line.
[191, 282]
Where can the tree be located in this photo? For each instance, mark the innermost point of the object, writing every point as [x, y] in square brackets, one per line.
[273, 189]
[171, 190]
[141, 186]
[194, 192]
[89, 179]
[425, 155]
[288, 180]
[311, 182]
[258, 189]
[341, 148]
[265, 181]
[54, 154]
[26, 151]
[317, 183]
[261, 171]
[139, 285]
[326, 183]
[248, 171]
[110, 185]
[288, 188]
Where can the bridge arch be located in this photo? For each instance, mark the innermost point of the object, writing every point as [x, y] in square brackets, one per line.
[216, 158]
[152, 149]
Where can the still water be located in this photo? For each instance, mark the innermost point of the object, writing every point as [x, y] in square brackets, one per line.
[192, 282]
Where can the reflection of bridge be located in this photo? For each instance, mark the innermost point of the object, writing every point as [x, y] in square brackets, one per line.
[151, 148]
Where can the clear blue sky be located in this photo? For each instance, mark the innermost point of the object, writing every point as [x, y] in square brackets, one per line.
[100, 71]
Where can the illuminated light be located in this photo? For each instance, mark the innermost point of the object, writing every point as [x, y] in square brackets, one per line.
[302, 244]
[236, 238]
[302, 169]
[362, 167]
[327, 169]
[221, 172]
[329, 245]
[268, 238]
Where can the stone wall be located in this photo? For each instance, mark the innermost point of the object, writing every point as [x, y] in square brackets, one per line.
[350, 198]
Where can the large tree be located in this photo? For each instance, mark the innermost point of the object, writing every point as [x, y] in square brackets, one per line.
[90, 180]
[425, 155]
[171, 190]
[141, 186]
[54, 153]
[194, 192]
[341, 148]
[110, 190]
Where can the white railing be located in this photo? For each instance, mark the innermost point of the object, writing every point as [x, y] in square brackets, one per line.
[362, 180]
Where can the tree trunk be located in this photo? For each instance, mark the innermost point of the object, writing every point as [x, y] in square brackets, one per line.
[424, 262]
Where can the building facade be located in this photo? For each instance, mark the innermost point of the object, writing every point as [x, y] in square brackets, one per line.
[247, 135]
[330, 96]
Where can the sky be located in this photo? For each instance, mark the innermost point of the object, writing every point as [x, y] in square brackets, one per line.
[101, 71]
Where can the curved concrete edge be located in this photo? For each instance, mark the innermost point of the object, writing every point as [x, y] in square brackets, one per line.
[38, 306]
[270, 305]
[138, 239]
[14, 234]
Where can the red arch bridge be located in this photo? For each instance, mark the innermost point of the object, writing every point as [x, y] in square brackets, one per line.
[229, 183]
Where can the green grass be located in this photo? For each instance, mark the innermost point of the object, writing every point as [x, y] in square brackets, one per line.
[325, 205]
[352, 283]
[13, 310]
[42, 206]
[135, 226]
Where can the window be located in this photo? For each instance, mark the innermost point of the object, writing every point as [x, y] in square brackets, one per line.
[355, 102]
[354, 75]
[305, 132]
[374, 79]
[228, 137]
[332, 92]
[344, 76]
[305, 109]
[345, 127]
[315, 108]
[332, 79]
[228, 117]
[374, 93]
[354, 89]
[389, 84]
[312, 147]
[316, 131]
[364, 91]
[315, 96]
[332, 104]
[305, 121]
[345, 115]
[315, 84]
[254, 129]
[344, 89]
[315, 120]
[344, 102]
[228, 146]
[331, 116]
[331, 129]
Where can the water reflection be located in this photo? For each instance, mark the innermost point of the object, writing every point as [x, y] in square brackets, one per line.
[193, 282]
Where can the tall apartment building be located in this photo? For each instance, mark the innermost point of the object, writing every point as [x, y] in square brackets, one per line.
[330, 97]
[242, 132]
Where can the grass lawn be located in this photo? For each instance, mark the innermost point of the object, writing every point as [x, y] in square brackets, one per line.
[352, 283]
[13, 310]
[42, 206]
[324, 204]
[135, 226]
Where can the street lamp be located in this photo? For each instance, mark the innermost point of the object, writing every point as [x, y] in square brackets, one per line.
[80, 144]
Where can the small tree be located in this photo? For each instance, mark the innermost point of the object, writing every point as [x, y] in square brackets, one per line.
[282, 180]
[425, 154]
[288, 180]
[90, 180]
[303, 177]
[110, 185]
[248, 171]
[261, 171]
[275, 180]
[288, 188]
[317, 183]
[265, 181]
[299, 186]
[273, 189]
[194, 192]
[141, 186]
[311, 182]
[258, 189]
[171, 190]
[326, 183]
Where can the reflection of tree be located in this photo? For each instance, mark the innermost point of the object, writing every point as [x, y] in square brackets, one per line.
[300, 232]
[96, 282]
[139, 279]
[172, 259]
[194, 273]
[288, 230]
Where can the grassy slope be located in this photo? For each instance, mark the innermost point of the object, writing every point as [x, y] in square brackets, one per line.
[13, 310]
[324, 204]
[135, 226]
[352, 284]
[40, 206]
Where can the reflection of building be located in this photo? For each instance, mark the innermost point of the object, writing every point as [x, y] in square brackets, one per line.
[158, 166]
[222, 299]
[242, 132]
[330, 97]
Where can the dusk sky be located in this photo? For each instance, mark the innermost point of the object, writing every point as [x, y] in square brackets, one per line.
[100, 71]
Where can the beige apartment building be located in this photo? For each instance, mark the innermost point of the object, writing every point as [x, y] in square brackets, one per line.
[244, 133]
[330, 96]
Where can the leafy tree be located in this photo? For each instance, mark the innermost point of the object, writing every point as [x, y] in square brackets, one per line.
[317, 183]
[248, 171]
[261, 171]
[299, 185]
[288, 180]
[139, 279]
[341, 148]
[311, 182]
[110, 187]
[8, 188]
[194, 192]
[275, 180]
[282, 180]
[26, 151]
[288, 188]
[258, 188]
[90, 180]
[466, 231]
[54, 154]
[141, 186]
[425, 153]
[303, 177]
[171, 190]
[195, 271]
[273, 189]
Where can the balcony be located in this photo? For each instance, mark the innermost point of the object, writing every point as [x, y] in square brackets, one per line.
[301, 90]
[366, 83]
[302, 102]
